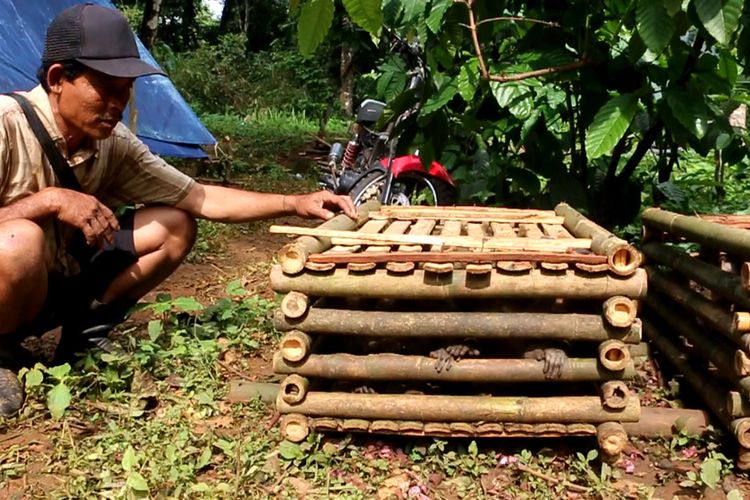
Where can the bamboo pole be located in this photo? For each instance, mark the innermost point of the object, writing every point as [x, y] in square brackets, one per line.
[294, 427]
[494, 325]
[614, 355]
[341, 237]
[620, 312]
[745, 276]
[743, 458]
[612, 438]
[715, 399]
[295, 345]
[664, 422]
[466, 210]
[293, 389]
[623, 258]
[728, 239]
[741, 321]
[472, 217]
[719, 319]
[293, 256]
[725, 284]
[295, 304]
[717, 353]
[615, 394]
[386, 366]
[429, 408]
[737, 405]
[421, 285]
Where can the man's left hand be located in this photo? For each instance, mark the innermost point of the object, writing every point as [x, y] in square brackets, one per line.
[319, 204]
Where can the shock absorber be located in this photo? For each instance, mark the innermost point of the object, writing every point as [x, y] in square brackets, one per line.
[350, 154]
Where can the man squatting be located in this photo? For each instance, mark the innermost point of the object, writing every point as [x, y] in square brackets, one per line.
[65, 258]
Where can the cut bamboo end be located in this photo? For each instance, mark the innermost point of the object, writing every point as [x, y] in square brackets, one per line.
[741, 321]
[624, 259]
[737, 405]
[294, 304]
[292, 258]
[294, 427]
[743, 458]
[620, 311]
[293, 389]
[741, 430]
[745, 341]
[612, 438]
[614, 355]
[295, 346]
[615, 394]
[741, 363]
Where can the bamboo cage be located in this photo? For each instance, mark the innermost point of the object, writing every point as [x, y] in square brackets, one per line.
[458, 321]
[696, 309]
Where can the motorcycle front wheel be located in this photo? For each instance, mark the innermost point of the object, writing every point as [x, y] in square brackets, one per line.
[408, 189]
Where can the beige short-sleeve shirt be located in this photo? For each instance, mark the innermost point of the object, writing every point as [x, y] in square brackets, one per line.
[117, 170]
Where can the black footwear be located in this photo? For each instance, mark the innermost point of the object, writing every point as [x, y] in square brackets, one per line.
[11, 393]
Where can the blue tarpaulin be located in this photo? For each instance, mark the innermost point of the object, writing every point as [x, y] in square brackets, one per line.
[164, 122]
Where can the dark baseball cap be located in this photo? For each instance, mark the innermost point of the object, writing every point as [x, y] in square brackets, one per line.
[97, 37]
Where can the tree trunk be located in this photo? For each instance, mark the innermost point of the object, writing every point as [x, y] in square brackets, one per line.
[346, 74]
[150, 23]
[418, 368]
[488, 325]
[564, 409]
[188, 23]
[666, 422]
[227, 13]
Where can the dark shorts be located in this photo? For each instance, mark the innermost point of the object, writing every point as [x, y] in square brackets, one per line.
[70, 297]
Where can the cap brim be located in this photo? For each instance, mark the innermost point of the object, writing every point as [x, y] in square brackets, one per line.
[126, 67]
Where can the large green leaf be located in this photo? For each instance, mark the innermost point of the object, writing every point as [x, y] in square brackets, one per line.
[313, 25]
[366, 13]
[610, 124]
[655, 25]
[448, 89]
[437, 12]
[690, 111]
[719, 17]
[468, 79]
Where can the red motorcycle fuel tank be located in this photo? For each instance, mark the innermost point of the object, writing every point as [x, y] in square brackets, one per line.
[412, 163]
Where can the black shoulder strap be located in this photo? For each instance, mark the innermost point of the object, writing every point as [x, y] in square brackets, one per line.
[64, 174]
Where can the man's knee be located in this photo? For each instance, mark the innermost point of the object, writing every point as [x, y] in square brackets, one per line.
[183, 230]
[21, 245]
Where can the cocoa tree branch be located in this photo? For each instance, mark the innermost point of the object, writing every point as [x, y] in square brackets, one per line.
[519, 18]
[475, 37]
[539, 72]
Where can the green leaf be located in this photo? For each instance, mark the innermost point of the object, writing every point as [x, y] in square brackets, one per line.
[711, 472]
[728, 68]
[293, 6]
[187, 304]
[413, 9]
[610, 124]
[235, 288]
[33, 377]
[473, 449]
[58, 400]
[437, 13]
[137, 482]
[443, 96]
[59, 372]
[719, 17]
[129, 459]
[366, 13]
[290, 451]
[313, 25]
[655, 25]
[155, 328]
[690, 111]
[203, 459]
[468, 79]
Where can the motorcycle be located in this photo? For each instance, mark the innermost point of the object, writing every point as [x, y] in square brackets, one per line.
[367, 167]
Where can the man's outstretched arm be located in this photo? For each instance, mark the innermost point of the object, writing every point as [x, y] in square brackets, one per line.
[224, 204]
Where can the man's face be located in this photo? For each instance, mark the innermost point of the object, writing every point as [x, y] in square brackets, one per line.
[92, 103]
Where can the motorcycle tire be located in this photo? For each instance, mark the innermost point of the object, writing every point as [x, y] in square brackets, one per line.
[408, 189]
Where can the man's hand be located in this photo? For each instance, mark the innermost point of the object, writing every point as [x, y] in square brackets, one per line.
[318, 204]
[83, 211]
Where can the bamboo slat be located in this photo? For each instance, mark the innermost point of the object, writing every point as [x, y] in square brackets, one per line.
[451, 228]
[402, 256]
[396, 228]
[422, 226]
[488, 243]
